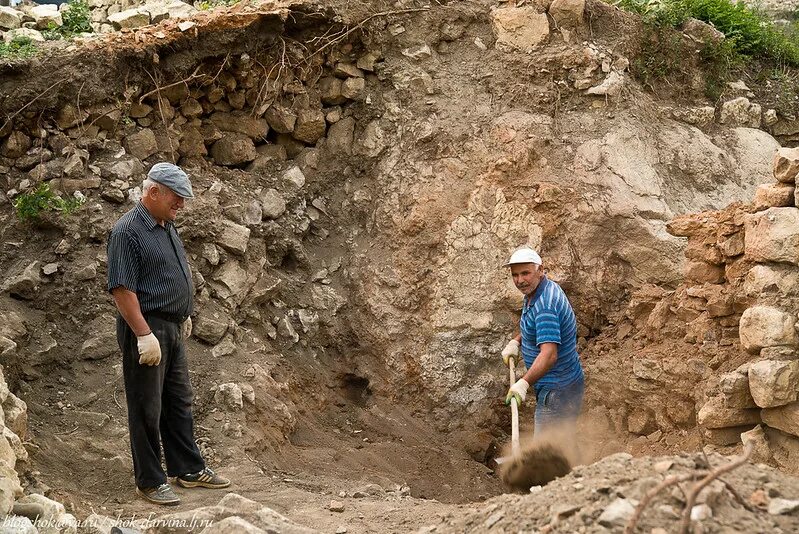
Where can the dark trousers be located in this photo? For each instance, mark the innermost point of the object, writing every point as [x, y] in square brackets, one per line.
[159, 406]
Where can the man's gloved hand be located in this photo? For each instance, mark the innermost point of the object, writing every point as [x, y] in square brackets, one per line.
[511, 349]
[149, 349]
[185, 328]
[518, 391]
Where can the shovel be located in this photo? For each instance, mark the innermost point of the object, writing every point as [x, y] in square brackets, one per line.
[538, 464]
[514, 419]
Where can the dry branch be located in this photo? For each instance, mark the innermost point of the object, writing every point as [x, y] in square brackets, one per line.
[651, 494]
[685, 524]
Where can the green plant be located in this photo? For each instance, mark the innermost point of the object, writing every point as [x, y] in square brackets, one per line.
[77, 18]
[210, 4]
[18, 48]
[29, 206]
[52, 33]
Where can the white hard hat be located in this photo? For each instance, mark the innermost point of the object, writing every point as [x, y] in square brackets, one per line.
[524, 255]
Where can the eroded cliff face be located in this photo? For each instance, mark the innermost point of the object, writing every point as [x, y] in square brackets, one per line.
[357, 194]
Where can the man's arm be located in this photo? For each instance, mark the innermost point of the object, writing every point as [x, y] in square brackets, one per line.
[543, 362]
[128, 305]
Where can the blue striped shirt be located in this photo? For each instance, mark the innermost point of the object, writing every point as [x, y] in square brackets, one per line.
[149, 259]
[548, 317]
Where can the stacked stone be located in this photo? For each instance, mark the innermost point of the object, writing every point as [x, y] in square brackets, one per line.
[240, 120]
[709, 302]
[768, 329]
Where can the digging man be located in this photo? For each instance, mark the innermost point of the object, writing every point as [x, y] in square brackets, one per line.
[548, 342]
[150, 281]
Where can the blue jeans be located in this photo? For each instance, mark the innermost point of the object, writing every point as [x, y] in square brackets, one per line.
[558, 406]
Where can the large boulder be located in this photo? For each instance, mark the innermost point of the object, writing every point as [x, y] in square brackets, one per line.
[740, 112]
[233, 149]
[280, 118]
[10, 19]
[772, 280]
[773, 235]
[715, 415]
[141, 144]
[46, 15]
[785, 418]
[766, 326]
[774, 383]
[233, 237]
[734, 388]
[568, 13]
[310, 126]
[519, 28]
[239, 122]
[130, 18]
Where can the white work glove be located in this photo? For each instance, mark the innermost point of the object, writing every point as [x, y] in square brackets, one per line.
[185, 328]
[149, 349]
[518, 391]
[511, 349]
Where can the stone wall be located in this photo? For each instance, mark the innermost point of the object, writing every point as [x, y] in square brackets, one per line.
[758, 400]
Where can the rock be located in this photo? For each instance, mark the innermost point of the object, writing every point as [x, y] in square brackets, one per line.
[25, 284]
[336, 506]
[701, 32]
[7, 347]
[700, 117]
[330, 91]
[765, 326]
[353, 88]
[367, 61]
[724, 437]
[779, 506]
[233, 237]
[192, 143]
[272, 152]
[30, 33]
[703, 272]
[610, 86]
[240, 122]
[567, 13]
[772, 279]
[734, 388]
[233, 279]
[418, 52]
[617, 514]
[229, 395]
[519, 28]
[784, 418]
[774, 196]
[280, 118]
[233, 149]
[210, 327]
[772, 235]
[786, 165]
[99, 347]
[714, 414]
[641, 421]
[701, 512]
[130, 18]
[15, 145]
[10, 19]
[45, 16]
[141, 144]
[191, 109]
[285, 329]
[273, 204]
[124, 170]
[761, 452]
[340, 136]
[225, 348]
[740, 112]
[310, 126]
[774, 383]
[293, 178]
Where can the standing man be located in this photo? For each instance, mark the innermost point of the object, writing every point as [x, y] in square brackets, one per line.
[548, 341]
[150, 281]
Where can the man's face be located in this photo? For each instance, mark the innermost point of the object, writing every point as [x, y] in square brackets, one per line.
[526, 277]
[166, 203]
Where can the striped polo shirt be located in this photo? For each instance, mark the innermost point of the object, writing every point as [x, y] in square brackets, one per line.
[547, 317]
[149, 259]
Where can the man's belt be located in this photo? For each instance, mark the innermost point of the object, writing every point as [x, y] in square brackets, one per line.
[171, 317]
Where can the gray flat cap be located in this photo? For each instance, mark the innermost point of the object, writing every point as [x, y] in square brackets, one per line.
[173, 177]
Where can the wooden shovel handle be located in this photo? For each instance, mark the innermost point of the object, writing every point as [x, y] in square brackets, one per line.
[514, 411]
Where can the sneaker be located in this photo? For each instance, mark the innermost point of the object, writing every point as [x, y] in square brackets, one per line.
[162, 494]
[203, 479]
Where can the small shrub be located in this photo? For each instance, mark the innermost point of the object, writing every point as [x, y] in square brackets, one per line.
[77, 18]
[30, 206]
[52, 33]
[211, 4]
[19, 48]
